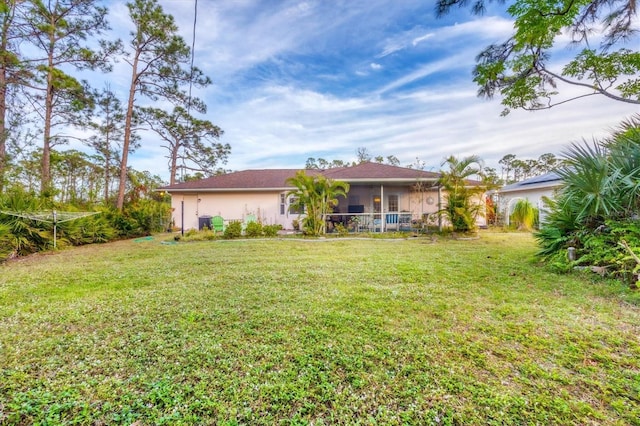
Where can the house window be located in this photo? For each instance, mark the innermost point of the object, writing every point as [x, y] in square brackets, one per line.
[294, 208]
[393, 203]
[283, 207]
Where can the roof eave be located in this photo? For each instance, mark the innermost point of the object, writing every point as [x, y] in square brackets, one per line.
[279, 189]
[388, 180]
[549, 185]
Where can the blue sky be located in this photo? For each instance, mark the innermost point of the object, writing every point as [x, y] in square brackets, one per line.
[319, 78]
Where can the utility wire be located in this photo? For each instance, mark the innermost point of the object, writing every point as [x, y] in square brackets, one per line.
[193, 52]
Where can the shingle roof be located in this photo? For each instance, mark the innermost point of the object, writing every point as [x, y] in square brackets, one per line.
[246, 179]
[377, 171]
[276, 178]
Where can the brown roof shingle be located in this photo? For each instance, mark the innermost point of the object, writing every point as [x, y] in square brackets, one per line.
[276, 178]
[377, 171]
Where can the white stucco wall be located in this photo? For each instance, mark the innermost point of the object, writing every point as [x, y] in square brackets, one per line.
[533, 195]
[265, 206]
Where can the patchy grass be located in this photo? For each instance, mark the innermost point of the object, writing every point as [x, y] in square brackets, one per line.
[314, 332]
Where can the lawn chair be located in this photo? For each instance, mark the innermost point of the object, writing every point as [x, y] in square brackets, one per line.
[217, 223]
[392, 221]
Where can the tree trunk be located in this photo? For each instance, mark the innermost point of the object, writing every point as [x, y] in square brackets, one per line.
[174, 165]
[3, 101]
[127, 134]
[45, 179]
[107, 173]
[3, 127]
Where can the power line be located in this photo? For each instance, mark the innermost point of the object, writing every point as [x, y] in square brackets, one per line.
[193, 52]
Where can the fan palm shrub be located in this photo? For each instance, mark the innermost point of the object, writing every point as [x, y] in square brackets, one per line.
[22, 235]
[87, 230]
[599, 204]
[6, 248]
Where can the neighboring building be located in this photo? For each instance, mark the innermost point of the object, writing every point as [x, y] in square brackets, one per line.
[532, 189]
[381, 197]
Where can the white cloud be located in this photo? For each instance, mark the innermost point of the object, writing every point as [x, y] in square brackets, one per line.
[481, 30]
[408, 110]
[420, 39]
[449, 63]
[288, 125]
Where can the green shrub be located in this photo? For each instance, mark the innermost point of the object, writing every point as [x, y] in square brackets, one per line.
[603, 247]
[87, 230]
[143, 218]
[233, 230]
[254, 229]
[23, 236]
[341, 230]
[271, 230]
[6, 248]
[124, 225]
[205, 234]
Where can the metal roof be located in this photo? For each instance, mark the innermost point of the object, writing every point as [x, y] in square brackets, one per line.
[550, 179]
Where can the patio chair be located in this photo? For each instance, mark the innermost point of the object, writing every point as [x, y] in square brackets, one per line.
[404, 222]
[391, 221]
[376, 225]
[217, 223]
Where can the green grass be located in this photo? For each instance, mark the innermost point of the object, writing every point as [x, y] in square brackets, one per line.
[314, 332]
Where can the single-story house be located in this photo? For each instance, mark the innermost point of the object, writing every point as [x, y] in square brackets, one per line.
[381, 197]
[533, 189]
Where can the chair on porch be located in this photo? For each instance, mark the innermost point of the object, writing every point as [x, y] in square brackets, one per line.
[404, 222]
[391, 221]
[376, 225]
[217, 223]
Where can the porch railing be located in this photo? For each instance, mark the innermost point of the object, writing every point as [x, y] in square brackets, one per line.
[378, 222]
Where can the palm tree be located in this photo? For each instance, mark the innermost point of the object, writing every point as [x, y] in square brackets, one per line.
[461, 209]
[317, 195]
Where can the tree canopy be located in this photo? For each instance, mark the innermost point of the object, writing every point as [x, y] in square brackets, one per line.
[522, 71]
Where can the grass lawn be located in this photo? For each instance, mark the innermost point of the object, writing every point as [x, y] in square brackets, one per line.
[314, 332]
